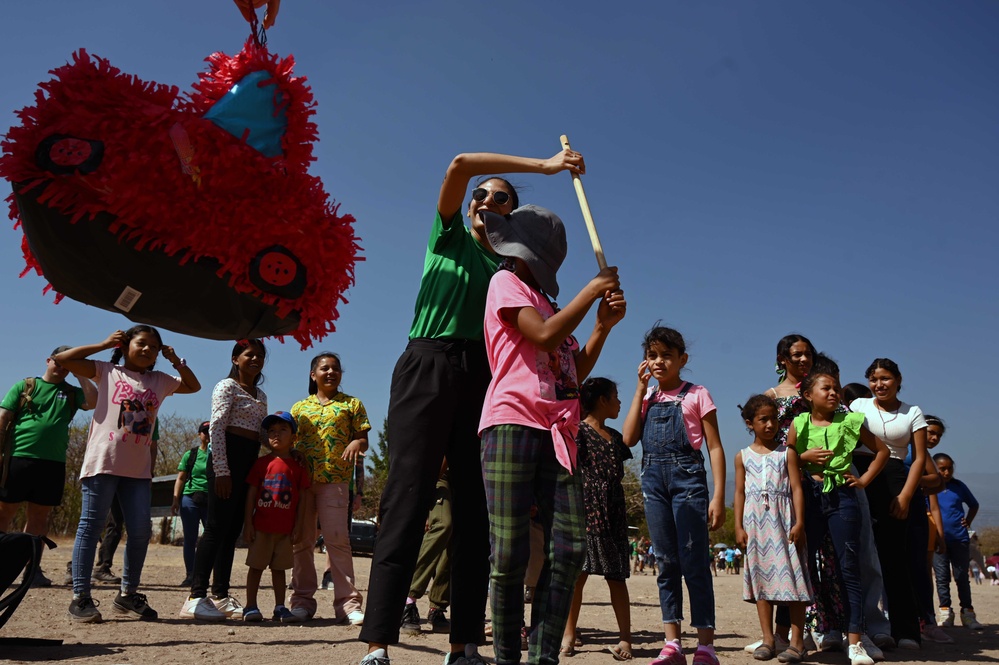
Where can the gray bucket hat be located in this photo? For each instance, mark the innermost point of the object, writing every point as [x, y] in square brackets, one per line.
[533, 234]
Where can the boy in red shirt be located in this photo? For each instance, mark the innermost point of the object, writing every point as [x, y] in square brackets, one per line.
[275, 506]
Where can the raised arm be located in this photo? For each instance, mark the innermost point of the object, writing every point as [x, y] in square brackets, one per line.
[632, 430]
[189, 383]
[548, 334]
[610, 312]
[468, 165]
[89, 393]
[75, 359]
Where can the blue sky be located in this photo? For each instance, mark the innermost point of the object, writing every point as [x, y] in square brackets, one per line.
[753, 169]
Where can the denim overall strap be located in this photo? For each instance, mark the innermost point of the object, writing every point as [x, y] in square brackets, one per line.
[664, 435]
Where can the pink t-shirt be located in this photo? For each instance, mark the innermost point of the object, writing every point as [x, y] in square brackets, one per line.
[530, 387]
[696, 405]
[122, 426]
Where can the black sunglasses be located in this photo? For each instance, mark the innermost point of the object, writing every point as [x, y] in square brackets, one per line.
[499, 197]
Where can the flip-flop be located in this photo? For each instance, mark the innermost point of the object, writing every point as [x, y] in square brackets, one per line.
[764, 652]
[791, 655]
[619, 653]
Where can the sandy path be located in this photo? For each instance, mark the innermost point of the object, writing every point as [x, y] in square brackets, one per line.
[174, 640]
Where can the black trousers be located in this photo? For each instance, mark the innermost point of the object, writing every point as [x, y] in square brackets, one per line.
[438, 387]
[225, 520]
[891, 538]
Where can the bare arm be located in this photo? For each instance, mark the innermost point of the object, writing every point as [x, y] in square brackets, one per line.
[900, 504]
[188, 382]
[716, 509]
[251, 501]
[6, 418]
[89, 393]
[466, 166]
[797, 533]
[548, 334]
[178, 491]
[75, 359]
[931, 482]
[610, 311]
[632, 430]
[741, 537]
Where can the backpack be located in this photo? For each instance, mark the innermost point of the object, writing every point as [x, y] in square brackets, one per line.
[199, 498]
[7, 434]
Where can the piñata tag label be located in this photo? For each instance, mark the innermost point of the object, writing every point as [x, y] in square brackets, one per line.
[127, 299]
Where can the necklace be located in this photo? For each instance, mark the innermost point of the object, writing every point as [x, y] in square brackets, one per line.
[884, 423]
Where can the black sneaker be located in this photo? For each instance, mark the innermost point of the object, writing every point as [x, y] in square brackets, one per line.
[327, 580]
[135, 603]
[187, 582]
[410, 620]
[438, 620]
[84, 610]
[106, 576]
[39, 580]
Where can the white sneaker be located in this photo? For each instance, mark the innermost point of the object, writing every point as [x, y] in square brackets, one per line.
[872, 649]
[968, 620]
[858, 656]
[229, 606]
[780, 645]
[300, 613]
[946, 617]
[356, 618]
[201, 609]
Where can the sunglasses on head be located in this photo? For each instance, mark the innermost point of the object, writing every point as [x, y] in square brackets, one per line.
[499, 197]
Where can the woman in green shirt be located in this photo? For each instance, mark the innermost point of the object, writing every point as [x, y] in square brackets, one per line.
[190, 497]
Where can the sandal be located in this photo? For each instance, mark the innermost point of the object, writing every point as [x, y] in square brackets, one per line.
[791, 655]
[764, 652]
[620, 653]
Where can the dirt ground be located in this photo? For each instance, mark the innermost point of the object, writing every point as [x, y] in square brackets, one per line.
[175, 640]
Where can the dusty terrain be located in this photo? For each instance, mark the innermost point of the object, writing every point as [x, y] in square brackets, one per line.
[175, 640]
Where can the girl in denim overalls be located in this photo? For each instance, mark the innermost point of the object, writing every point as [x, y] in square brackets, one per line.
[673, 421]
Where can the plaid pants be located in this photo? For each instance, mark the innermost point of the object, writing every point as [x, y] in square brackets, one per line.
[520, 470]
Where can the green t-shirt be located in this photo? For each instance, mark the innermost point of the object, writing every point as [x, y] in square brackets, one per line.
[841, 437]
[456, 274]
[41, 431]
[198, 480]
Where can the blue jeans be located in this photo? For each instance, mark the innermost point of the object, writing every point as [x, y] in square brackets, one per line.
[838, 513]
[98, 493]
[675, 489]
[191, 515]
[957, 557]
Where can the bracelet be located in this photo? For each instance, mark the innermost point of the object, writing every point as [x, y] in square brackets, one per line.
[181, 362]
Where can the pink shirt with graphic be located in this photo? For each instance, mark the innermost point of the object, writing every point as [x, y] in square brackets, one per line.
[122, 426]
[530, 387]
[696, 405]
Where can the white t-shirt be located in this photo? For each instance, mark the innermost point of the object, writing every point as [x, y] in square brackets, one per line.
[895, 428]
[121, 431]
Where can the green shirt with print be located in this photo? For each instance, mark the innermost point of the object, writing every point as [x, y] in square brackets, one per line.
[41, 430]
[456, 274]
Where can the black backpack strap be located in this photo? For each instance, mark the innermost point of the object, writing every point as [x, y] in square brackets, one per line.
[192, 457]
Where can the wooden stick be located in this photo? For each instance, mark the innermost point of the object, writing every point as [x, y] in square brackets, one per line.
[598, 249]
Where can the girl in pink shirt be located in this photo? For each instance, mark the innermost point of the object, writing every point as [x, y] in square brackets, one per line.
[529, 423]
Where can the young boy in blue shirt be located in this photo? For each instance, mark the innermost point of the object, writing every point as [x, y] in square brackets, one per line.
[952, 499]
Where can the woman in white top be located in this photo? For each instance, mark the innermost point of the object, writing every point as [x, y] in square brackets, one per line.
[900, 426]
[238, 408]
